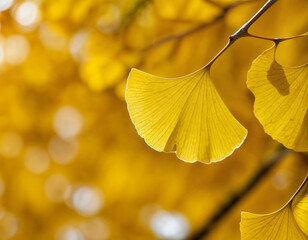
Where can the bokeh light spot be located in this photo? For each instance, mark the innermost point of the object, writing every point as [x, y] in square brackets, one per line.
[87, 201]
[67, 122]
[110, 21]
[95, 229]
[51, 39]
[2, 187]
[55, 187]
[36, 160]
[62, 151]
[1, 53]
[27, 14]
[169, 225]
[69, 233]
[5, 4]
[16, 49]
[76, 45]
[279, 180]
[11, 144]
[8, 225]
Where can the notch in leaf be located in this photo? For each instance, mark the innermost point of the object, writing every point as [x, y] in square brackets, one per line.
[281, 99]
[184, 114]
[288, 223]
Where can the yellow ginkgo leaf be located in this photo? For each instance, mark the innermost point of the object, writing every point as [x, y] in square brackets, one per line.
[281, 99]
[300, 208]
[185, 114]
[288, 223]
[186, 10]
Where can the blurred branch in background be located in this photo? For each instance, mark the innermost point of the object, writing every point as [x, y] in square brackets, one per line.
[133, 12]
[199, 27]
[231, 203]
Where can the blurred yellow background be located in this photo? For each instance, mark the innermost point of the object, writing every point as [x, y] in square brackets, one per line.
[72, 166]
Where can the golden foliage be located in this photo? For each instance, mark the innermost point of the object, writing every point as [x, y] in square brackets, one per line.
[71, 161]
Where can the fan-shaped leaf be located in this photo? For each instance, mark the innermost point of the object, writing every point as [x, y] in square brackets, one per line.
[281, 99]
[300, 208]
[288, 223]
[185, 114]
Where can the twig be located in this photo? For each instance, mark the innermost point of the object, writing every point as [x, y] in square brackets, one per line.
[270, 164]
[278, 39]
[234, 4]
[246, 26]
[214, 3]
[198, 27]
[300, 187]
[243, 31]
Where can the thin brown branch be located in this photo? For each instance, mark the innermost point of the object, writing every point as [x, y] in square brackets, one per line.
[198, 27]
[243, 31]
[133, 12]
[266, 6]
[234, 4]
[214, 3]
[300, 187]
[228, 206]
[278, 39]
[182, 34]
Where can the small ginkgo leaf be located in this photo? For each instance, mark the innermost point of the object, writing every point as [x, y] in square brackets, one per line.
[281, 99]
[300, 208]
[288, 223]
[185, 114]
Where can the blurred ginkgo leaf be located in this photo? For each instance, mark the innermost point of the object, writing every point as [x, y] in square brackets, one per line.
[185, 114]
[281, 99]
[181, 9]
[288, 223]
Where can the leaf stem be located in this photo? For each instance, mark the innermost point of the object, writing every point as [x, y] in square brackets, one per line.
[243, 31]
[228, 206]
[301, 187]
[278, 39]
[218, 55]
